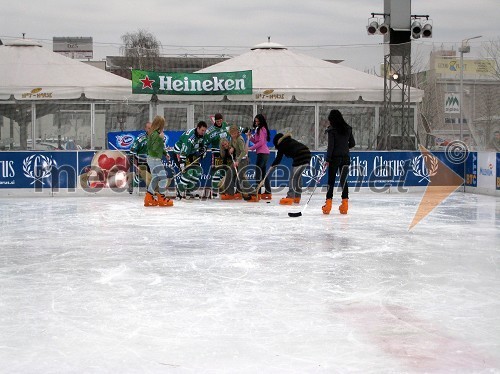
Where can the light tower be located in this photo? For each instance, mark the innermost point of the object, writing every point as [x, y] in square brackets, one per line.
[399, 28]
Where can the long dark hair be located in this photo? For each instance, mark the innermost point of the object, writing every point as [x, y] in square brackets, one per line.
[262, 123]
[337, 120]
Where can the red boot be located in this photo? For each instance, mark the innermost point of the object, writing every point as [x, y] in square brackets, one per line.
[344, 206]
[327, 207]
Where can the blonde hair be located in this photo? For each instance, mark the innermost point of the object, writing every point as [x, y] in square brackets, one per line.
[234, 129]
[158, 124]
[223, 141]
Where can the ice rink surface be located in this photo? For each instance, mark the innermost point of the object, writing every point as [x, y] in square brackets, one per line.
[105, 285]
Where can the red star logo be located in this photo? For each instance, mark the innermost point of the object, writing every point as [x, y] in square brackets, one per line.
[147, 83]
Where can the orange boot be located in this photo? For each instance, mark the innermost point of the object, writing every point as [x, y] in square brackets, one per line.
[266, 196]
[163, 200]
[149, 200]
[286, 201]
[344, 206]
[252, 198]
[327, 207]
[296, 200]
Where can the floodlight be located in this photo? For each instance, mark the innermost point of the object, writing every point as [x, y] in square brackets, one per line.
[395, 77]
[383, 28]
[427, 31]
[416, 29]
[372, 28]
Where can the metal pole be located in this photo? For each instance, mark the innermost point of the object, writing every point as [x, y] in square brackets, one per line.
[461, 89]
[464, 48]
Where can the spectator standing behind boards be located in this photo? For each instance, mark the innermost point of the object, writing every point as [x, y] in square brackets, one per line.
[259, 139]
[340, 140]
[301, 156]
[156, 150]
[139, 152]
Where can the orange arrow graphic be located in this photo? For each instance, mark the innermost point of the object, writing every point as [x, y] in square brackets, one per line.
[443, 182]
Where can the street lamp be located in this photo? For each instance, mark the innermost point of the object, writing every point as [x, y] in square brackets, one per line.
[465, 48]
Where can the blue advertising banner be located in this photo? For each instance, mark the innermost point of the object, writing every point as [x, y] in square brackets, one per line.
[471, 170]
[38, 170]
[122, 140]
[113, 168]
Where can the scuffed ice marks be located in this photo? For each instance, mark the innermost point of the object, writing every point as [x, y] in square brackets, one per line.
[123, 275]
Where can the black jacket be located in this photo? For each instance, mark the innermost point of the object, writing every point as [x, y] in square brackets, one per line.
[339, 144]
[293, 149]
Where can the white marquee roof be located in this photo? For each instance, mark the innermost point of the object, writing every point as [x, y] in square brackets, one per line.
[30, 72]
[282, 73]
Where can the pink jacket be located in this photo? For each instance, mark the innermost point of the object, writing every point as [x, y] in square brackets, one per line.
[259, 140]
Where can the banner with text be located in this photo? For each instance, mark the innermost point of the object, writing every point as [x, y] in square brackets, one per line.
[112, 168]
[224, 83]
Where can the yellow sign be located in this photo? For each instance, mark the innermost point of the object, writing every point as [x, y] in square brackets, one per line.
[451, 65]
[36, 93]
[271, 95]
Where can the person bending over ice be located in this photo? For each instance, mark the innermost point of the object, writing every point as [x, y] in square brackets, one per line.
[301, 156]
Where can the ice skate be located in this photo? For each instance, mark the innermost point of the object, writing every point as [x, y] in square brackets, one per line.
[344, 206]
[286, 201]
[327, 207]
[149, 200]
[252, 198]
[163, 200]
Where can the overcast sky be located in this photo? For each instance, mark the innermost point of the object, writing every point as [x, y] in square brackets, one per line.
[328, 29]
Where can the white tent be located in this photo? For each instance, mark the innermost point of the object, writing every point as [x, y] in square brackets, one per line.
[29, 72]
[281, 75]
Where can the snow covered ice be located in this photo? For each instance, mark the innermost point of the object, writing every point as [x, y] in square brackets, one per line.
[105, 285]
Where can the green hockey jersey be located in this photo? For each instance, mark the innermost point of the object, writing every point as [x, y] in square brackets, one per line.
[214, 135]
[189, 145]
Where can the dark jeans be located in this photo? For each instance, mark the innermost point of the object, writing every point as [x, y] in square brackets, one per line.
[261, 164]
[295, 182]
[338, 163]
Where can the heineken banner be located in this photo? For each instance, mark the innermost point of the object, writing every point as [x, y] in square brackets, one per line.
[226, 83]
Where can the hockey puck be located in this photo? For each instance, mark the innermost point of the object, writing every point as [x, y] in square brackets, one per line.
[268, 202]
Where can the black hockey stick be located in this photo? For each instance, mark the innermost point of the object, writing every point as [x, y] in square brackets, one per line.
[298, 214]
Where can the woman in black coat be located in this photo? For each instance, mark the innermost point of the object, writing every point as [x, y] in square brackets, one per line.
[301, 156]
[340, 140]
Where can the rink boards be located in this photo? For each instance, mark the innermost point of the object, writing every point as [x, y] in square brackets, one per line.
[97, 170]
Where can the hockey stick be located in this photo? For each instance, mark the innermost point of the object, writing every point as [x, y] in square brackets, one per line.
[236, 170]
[255, 191]
[178, 194]
[298, 214]
[193, 162]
